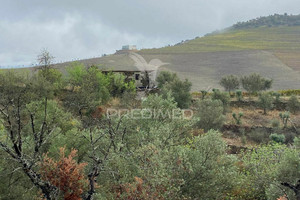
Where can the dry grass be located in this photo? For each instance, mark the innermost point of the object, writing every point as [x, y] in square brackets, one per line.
[255, 117]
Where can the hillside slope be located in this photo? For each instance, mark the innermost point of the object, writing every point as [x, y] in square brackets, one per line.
[269, 46]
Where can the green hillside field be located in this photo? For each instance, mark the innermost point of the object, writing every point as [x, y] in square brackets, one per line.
[262, 38]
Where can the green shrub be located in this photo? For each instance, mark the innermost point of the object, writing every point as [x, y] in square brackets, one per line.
[230, 83]
[284, 118]
[278, 138]
[275, 123]
[203, 94]
[239, 95]
[289, 137]
[207, 170]
[165, 77]
[265, 102]
[210, 114]
[293, 104]
[222, 96]
[238, 118]
[180, 90]
[297, 142]
[255, 83]
[277, 97]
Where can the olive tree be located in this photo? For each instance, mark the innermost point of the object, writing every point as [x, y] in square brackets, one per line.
[265, 101]
[254, 83]
[230, 83]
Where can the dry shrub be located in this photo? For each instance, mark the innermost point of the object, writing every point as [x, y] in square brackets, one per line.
[65, 174]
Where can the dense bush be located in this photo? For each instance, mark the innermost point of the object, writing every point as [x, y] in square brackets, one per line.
[279, 138]
[254, 83]
[230, 83]
[207, 167]
[284, 118]
[293, 104]
[223, 97]
[265, 101]
[269, 166]
[210, 114]
[165, 77]
[239, 95]
[180, 90]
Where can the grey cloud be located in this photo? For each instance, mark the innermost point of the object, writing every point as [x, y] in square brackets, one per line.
[80, 29]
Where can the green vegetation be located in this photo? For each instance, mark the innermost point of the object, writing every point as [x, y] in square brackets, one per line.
[259, 38]
[223, 97]
[293, 104]
[270, 21]
[265, 101]
[165, 77]
[208, 168]
[85, 135]
[210, 114]
[203, 94]
[279, 138]
[230, 83]
[269, 173]
[180, 90]
[277, 97]
[255, 83]
[239, 95]
[284, 118]
[238, 118]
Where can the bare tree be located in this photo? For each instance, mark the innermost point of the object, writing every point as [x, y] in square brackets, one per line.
[16, 93]
[100, 153]
[45, 59]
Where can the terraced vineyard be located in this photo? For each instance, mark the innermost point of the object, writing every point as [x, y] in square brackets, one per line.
[263, 38]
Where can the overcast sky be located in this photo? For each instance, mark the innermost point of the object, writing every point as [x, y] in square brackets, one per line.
[72, 29]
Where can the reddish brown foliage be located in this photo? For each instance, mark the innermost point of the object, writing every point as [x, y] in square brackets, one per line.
[99, 112]
[65, 173]
[282, 198]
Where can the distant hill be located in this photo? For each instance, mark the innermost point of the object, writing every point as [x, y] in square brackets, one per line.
[266, 45]
[270, 21]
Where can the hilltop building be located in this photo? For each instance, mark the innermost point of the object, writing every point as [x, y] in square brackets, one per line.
[127, 49]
